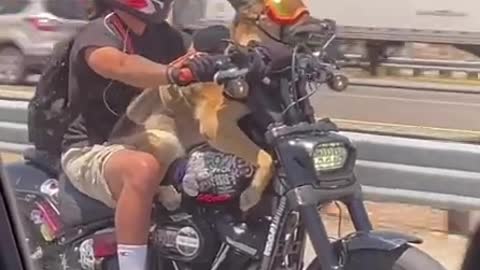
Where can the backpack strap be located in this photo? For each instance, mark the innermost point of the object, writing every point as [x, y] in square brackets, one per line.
[121, 30]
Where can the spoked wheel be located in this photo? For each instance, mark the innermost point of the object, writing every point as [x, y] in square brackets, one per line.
[405, 258]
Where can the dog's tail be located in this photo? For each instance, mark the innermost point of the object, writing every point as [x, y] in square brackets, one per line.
[472, 255]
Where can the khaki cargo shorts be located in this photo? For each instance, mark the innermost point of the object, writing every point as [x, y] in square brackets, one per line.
[85, 166]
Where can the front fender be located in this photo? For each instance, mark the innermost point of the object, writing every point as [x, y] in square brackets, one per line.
[377, 240]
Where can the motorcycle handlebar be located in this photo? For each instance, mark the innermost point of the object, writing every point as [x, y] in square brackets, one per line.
[314, 66]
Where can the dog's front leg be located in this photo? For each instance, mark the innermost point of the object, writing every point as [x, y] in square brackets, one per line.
[221, 129]
[253, 194]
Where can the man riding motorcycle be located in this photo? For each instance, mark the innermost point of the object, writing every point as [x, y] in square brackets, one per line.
[106, 73]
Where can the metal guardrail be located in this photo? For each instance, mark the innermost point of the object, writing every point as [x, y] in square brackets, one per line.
[444, 175]
[421, 61]
[471, 68]
[13, 127]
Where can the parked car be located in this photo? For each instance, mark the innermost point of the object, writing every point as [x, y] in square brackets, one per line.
[29, 29]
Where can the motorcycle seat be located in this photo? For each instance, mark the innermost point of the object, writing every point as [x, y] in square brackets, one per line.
[42, 160]
[77, 209]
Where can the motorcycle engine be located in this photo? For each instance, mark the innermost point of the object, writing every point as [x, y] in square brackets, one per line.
[205, 225]
[184, 239]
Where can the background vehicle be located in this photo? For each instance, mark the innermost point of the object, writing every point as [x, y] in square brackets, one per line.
[29, 29]
[370, 28]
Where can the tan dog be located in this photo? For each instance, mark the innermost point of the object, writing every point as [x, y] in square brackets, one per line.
[168, 120]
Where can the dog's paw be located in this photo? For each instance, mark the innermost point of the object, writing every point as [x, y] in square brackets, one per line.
[169, 197]
[190, 185]
[249, 198]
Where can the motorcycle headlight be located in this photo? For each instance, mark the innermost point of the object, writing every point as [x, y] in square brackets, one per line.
[329, 156]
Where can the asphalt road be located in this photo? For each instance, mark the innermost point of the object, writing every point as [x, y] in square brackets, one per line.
[444, 110]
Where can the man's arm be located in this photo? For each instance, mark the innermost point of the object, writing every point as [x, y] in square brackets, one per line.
[135, 70]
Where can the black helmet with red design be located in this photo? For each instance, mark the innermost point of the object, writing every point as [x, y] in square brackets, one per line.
[150, 11]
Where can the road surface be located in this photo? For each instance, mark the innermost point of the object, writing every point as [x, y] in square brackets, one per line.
[442, 110]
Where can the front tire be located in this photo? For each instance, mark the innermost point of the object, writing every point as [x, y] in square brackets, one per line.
[404, 258]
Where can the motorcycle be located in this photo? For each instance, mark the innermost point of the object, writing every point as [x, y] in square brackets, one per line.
[313, 167]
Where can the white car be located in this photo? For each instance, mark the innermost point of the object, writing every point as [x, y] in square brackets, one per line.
[29, 29]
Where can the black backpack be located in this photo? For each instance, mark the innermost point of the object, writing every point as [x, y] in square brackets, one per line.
[48, 115]
[49, 111]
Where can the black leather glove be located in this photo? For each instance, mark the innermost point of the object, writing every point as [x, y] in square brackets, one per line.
[205, 66]
[279, 54]
[194, 68]
[268, 57]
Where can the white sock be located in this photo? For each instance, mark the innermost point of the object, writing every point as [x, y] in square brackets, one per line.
[132, 257]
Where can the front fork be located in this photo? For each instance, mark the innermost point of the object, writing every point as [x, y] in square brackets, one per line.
[328, 259]
[317, 232]
[318, 236]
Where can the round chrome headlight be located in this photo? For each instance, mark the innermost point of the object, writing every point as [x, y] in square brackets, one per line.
[329, 156]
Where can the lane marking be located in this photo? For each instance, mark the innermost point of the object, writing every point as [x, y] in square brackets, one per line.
[360, 122]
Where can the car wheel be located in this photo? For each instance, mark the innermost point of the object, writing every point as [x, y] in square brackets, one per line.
[12, 65]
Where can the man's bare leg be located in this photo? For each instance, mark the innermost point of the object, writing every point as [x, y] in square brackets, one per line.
[133, 178]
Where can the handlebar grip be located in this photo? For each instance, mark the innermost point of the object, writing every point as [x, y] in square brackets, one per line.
[185, 75]
[180, 76]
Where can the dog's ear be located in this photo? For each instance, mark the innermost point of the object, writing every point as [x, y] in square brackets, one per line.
[245, 6]
[240, 4]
